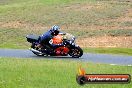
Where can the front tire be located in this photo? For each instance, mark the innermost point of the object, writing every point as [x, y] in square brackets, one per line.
[76, 52]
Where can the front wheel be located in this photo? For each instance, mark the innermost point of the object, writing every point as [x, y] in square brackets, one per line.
[76, 52]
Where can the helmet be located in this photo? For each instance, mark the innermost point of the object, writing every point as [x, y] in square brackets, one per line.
[55, 27]
[55, 30]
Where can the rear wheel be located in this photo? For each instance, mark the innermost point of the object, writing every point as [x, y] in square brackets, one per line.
[36, 48]
[38, 54]
[76, 52]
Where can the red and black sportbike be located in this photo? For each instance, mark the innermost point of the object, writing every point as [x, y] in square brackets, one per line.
[69, 48]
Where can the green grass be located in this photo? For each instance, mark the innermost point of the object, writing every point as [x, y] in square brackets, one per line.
[127, 23]
[124, 51]
[12, 38]
[44, 73]
[108, 32]
[50, 12]
[77, 15]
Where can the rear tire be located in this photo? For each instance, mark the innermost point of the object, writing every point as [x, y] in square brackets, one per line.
[34, 47]
[76, 52]
[38, 54]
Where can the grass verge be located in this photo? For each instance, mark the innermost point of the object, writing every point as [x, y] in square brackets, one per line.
[66, 12]
[44, 73]
[124, 51]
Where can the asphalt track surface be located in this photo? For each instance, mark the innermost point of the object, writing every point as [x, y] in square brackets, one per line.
[87, 57]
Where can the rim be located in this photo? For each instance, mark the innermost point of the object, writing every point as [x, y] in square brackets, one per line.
[35, 47]
[75, 52]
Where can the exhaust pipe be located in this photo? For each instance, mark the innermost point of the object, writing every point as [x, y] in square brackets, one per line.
[33, 50]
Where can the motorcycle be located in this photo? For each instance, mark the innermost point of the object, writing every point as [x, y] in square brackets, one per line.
[69, 47]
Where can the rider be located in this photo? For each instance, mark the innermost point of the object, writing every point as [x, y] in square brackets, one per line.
[46, 37]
